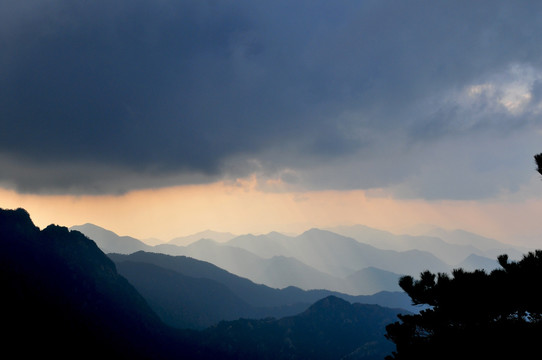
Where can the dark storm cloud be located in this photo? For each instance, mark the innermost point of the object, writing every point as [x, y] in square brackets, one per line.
[101, 96]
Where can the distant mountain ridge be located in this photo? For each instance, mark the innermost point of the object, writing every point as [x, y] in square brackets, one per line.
[341, 256]
[206, 234]
[475, 262]
[320, 259]
[451, 246]
[491, 247]
[278, 271]
[109, 241]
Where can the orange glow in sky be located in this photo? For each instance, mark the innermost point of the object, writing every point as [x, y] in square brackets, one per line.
[241, 208]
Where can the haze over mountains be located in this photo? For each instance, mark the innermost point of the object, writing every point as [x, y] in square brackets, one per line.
[355, 260]
[450, 246]
[63, 291]
[148, 304]
[277, 275]
[207, 294]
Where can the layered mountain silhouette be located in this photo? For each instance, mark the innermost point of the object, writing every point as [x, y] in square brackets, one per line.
[355, 260]
[208, 294]
[341, 256]
[452, 247]
[278, 271]
[64, 298]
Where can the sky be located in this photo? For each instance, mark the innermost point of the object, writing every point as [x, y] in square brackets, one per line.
[163, 118]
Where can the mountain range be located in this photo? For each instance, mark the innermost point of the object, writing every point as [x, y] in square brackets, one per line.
[451, 247]
[355, 260]
[278, 271]
[67, 298]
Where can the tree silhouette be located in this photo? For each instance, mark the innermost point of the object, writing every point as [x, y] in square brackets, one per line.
[474, 315]
[538, 160]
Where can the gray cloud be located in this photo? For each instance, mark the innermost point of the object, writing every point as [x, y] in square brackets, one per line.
[105, 97]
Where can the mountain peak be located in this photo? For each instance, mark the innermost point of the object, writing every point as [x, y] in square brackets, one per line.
[314, 230]
[318, 232]
[17, 223]
[331, 303]
[110, 242]
[217, 236]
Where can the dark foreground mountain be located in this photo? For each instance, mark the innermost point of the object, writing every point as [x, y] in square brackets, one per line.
[332, 328]
[62, 297]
